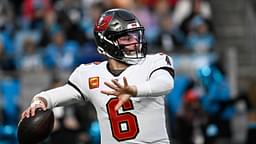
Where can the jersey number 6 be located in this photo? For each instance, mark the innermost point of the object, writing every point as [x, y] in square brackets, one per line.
[124, 125]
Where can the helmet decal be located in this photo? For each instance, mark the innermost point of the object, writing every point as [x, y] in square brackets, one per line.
[103, 23]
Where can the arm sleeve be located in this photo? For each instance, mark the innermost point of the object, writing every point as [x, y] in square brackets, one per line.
[160, 83]
[60, 96]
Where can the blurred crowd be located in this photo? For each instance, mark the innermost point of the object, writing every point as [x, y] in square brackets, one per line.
[57, 35]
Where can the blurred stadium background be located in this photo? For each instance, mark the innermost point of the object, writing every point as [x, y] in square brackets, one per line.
[212, 43]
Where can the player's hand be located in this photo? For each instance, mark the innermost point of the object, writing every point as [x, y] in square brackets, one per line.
[122, 92]
[30, 111]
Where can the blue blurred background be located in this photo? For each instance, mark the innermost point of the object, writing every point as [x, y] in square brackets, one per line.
[212, 43]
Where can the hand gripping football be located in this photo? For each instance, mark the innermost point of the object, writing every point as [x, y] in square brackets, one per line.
[35, 129]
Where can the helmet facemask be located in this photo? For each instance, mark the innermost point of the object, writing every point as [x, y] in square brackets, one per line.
[132, 46]
[123, 52]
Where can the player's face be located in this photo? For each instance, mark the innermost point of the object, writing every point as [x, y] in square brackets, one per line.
[130, 43]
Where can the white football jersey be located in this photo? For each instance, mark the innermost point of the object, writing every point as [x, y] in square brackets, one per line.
[142, 119]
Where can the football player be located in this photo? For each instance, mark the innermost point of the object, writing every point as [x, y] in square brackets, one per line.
[127, 90]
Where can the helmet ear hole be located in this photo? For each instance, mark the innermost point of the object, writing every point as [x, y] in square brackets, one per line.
[109, 37]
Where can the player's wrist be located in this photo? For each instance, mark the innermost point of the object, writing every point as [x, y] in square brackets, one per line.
[143, 90]
[38, 101]
[134, 91]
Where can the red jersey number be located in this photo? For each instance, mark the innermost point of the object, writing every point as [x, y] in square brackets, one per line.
[124, 125]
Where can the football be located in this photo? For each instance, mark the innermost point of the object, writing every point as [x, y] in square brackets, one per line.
[35, 129]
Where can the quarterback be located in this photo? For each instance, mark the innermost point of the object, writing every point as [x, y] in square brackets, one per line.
[127, 90]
